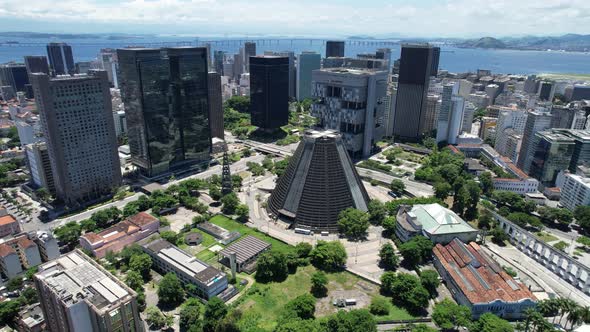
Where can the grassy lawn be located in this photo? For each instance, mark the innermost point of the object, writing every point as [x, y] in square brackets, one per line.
[233, 225]
[207, 256]
[395, 313]
[263, 304]
[565, 76]
[546, 237]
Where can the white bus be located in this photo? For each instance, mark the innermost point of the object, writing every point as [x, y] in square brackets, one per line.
[303, 231]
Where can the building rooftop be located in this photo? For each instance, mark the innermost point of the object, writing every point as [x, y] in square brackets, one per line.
[246, 248]
[436, 219]
[353, 71]
[182, 261]
[480, 278]
[6, 220]
[130, 225]
[75, 277]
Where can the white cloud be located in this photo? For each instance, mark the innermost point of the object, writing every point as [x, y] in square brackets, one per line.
[305, 17]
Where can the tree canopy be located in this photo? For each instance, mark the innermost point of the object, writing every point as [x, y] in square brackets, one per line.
[328, 256]
[353, 223]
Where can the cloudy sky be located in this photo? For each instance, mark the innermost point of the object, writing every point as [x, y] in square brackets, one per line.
[417, 18]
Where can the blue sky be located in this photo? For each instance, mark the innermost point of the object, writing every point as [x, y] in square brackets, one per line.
[418, 18]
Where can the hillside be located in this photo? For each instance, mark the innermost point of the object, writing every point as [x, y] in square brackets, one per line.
[485, 42]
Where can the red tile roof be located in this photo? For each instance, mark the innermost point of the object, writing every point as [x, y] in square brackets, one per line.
[6, 220]
[142, 219]
[479, 278]
[127, 226]
[6, 250]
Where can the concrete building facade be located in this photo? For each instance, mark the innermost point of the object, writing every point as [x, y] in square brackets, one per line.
[307, 62]
[78, 127]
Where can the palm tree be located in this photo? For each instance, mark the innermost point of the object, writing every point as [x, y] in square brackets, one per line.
[566, 306]
[573, 317]
[585, 314]
[548, 308]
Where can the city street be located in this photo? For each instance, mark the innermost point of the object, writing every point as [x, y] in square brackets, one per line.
[547, 279]
[417, 189]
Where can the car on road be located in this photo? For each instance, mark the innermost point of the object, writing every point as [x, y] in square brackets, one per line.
[392, 194]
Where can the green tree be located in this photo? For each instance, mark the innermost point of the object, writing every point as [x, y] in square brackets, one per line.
[170, 236]
[303, 306]
[215, 193]
[485, 181]
[14, 284]
[407, 289]
[69, 233]
[134, 280]
[303, 249]
[582, 215]
[230, 322]
[242, 211]
[416, 251]
[9, 311]
[379, 306]
[190, 315]
[397, 186]
[29, 295]
[255, 168]
[422, 328]
[297, 325]
[271, 266]
[350, 321]
[498, 236]
[430, 281]
[158, 320]
[353, 223]
[88, 225]
[485, 220]
[328, 256]
[230, 203]
[215, 311]
[442, 190]
[170, 291]
[142, 263]
[388, 258]
[319, 281]
[377, 212]
[448, 315]
[389, 225]
[238, 103]
[489, 322]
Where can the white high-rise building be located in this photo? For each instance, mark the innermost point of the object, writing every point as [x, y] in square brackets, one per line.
[468, 114]
[450, 119]
[575, 191]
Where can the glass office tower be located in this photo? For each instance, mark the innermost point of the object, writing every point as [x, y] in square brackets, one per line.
[166, 103]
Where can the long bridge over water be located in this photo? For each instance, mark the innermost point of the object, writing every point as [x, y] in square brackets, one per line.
[201, 42]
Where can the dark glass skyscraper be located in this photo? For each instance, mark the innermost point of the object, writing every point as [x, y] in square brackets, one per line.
[215, 105]
[334, 48]
[165, 92]
[61, 59]
[269, 91]
[36, 64]
[14, 75]
[417, 64]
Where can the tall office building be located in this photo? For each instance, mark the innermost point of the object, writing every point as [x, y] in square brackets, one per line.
[36, 64]
[218, 62]
[249, 51]
[557, 150]
[431, 114]
[79, 295]
[108, 62]
[450, 116]
[61, 59]
[334, 48]
[165, 92]
[14, 75]
[307, 62]
[468, 114]
[39, 166]
[384, 54]
[575, 191]
[269, 91]
[215, 105]
[417, 64]
[546, 91]
[510, 127]
[78, 127]
[353, 102]
[292, 70]
[536, 121]
[568, 118]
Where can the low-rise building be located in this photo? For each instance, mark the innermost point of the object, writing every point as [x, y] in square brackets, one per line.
[8, 225]
[134, 228]
[208, 281]
[519, 186]
[30, 319]
[18, 254]
[79, 295]
[435, 222]
[478, 282]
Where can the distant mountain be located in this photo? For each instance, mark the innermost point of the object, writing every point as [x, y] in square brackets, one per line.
[39, 35]
[569, 42]
[485, 42]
